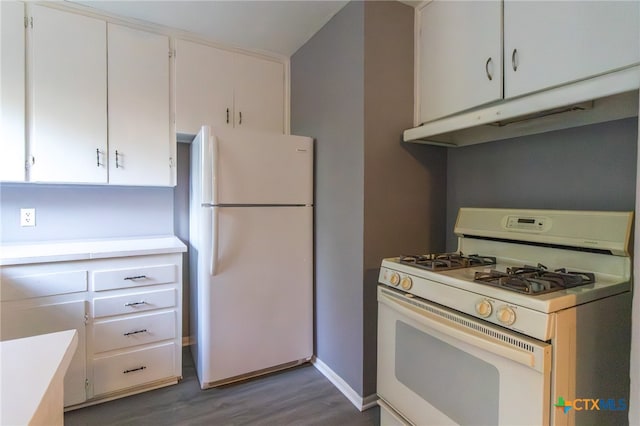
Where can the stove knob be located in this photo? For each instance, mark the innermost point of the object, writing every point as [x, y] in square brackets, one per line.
[395, 279]
[406, 283]
[506, 315]
[484, 308]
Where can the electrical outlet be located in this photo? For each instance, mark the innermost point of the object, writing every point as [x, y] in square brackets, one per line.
[27, 217]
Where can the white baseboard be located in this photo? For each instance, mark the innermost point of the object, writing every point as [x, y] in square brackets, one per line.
[353, 396]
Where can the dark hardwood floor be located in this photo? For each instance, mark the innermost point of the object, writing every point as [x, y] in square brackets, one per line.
[298, 396]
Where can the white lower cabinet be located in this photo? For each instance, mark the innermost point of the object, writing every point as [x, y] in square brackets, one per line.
[134, 302]
[133, 368]
[46, 298]
[127, 311]
[42, 316]
[135, 327]
[134, 331]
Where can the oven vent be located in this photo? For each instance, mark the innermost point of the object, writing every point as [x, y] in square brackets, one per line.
[472, 324]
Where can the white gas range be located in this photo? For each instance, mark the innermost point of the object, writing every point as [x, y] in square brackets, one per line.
[533, 311]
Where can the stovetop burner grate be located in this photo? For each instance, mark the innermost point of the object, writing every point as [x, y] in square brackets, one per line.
[535, 279]
[446, 261]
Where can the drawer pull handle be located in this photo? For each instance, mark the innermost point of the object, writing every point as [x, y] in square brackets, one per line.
[142, 302]
[134, 369]
[144, 330]
[137, 277]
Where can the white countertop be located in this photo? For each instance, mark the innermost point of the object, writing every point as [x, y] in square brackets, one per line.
[58, 251]
[33, 370]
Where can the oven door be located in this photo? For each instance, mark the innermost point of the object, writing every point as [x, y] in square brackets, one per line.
[437, 366]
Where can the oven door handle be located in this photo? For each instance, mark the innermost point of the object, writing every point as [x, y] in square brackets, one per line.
[470, 336]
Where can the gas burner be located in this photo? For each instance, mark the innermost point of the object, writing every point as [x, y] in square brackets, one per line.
[535, 279]
[446, 261]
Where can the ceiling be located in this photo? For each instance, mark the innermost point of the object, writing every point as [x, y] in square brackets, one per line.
[279, 27]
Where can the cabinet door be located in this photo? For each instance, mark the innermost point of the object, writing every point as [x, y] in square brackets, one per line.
[139, 108]
[259, 94]
[12, 89]
[204, 87]
[460, 56]
[562, 41]
[68, 97]
[30, 319]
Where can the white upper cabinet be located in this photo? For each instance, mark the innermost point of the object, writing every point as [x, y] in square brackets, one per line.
[554, 42]
[462, 49]
[140, 138]
[223, 88]
[68, 97]
[12, 95]
[460, 56]
[259, 94]
[204, 87]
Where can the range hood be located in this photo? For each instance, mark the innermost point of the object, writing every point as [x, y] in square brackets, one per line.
[603, 98]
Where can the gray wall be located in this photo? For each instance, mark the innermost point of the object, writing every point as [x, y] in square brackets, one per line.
[404, 186]
[584, 168]
[68, 212]
[181, 224]
[352, 90]
[327, 103]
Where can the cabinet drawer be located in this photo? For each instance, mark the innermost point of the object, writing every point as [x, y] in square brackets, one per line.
[134, 277]
[39, 285]
[138, 330]
[134, 302]
[133, 368]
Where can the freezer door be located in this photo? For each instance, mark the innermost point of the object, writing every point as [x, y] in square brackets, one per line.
[252, 167]
[261, 298]
[202, 160]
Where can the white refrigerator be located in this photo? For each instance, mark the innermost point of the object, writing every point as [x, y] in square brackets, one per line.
[251, 248]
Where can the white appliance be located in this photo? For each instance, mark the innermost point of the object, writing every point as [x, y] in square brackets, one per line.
[527, 324]
[251, 213]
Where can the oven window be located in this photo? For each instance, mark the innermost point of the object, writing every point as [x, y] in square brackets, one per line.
[461, 386]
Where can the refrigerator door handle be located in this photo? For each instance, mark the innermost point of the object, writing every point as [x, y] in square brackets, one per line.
[214, 241]
[213, 150]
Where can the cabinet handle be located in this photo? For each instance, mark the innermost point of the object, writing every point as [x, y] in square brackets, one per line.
[486, 69]
[136, 277]
[514, 65]
[240, 122]
[227, 115]
[134, 369]
[142, 302]
[98, 164]
[117, 163]
[144, 330]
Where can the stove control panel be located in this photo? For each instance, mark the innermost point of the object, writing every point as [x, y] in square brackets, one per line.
[527, 223]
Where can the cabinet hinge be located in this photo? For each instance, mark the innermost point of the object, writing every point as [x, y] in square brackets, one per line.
[86, 319]
[26, 22]
[86, 383]
[31, 21]
[172, 53]
[171, 162]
